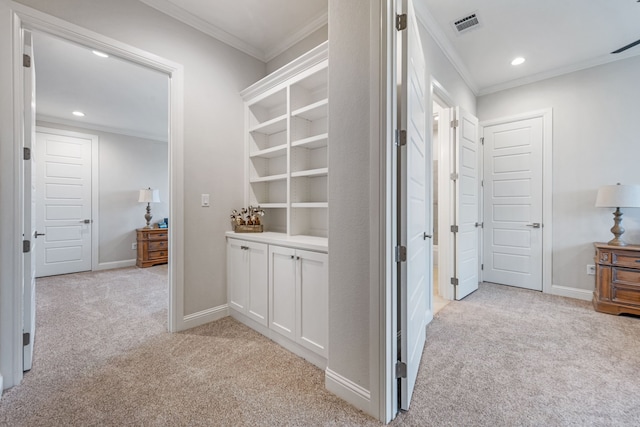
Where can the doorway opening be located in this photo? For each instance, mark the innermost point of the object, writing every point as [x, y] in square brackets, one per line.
[439, 302]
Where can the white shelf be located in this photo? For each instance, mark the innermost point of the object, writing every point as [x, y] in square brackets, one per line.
[314, 111]
[273, 205]
[272, 126]
[311, 173]
[269, 178]
[270, 153]
[310, 205]
[316, 141]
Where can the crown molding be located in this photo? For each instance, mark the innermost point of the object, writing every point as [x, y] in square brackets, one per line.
[182, 15]
[572, 68]
[100, 128]
[429, 23]
[298, 36]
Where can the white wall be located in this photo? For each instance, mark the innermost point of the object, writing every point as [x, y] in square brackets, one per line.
[595, 143]
[126, 164]
[214, 73]
[314, 39]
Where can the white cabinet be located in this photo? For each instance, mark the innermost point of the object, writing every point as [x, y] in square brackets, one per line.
[286, 146]
[247, 283]
[298, 296]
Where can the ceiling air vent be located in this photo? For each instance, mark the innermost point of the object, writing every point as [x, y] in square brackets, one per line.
[467, 23]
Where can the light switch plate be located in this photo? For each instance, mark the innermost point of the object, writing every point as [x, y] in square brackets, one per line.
[204, 200]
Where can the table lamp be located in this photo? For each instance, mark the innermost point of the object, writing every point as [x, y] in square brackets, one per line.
[149, 196]
[618, 196]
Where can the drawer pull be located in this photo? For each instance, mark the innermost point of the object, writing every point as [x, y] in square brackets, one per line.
[638, 260]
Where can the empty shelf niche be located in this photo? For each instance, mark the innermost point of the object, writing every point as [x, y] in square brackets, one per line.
[313, 161]
[309, 222]
[309, 191]
[268, 113]
[309, 104]
[268, 194]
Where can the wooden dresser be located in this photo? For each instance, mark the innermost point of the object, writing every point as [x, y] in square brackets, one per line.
[153, 246]
[617, 279]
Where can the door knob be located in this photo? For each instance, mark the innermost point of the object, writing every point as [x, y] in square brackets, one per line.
[426, 236]
[86, 221]
[36, 234]
[534, 225]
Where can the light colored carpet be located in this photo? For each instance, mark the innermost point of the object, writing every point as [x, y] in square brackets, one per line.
[503, 356]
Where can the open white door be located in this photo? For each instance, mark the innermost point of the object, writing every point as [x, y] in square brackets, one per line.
[29, 200]
[467, 203]
[414, 191]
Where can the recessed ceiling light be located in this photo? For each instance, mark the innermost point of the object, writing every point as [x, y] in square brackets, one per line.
[100, 54]
[517, 61]
[78, 113]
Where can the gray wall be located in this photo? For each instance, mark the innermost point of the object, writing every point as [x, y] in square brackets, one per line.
[126, 164]
[214, 74]
[314, 39]
[595, 143]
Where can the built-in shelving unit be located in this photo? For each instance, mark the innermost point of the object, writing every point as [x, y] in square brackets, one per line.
[286, 146]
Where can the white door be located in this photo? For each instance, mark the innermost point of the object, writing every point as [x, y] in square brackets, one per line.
[29, 292]
[237, 275]
[467, 204]
[513, 203]
[258, 287]
[414, 222]
[63, 188]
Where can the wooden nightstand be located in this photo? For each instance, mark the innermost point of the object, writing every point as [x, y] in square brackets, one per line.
[617, 279]
[153, 246]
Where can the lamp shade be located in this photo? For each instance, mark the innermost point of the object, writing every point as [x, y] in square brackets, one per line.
[149, 196]
[618, 196]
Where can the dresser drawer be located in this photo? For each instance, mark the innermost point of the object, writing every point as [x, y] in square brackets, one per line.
[625, 286]
[625, 259]
[158, 246]
[158, 254]
[159, 236]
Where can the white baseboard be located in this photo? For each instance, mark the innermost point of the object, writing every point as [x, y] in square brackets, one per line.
[347, 390]
[1, 386]
[205, 316]
[115, 264]
[566, 291]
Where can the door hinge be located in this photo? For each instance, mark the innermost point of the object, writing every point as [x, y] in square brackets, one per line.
[454, 123]
[401, 253]
[401, 137]
[26, 61]
[481, 266]
[482, 140]
[26, 339]
[401, 369]
[26, 153]
[401, 22]
[454, 281]
[454, 228]
[482, 183]
[26, 246]
[454, 176]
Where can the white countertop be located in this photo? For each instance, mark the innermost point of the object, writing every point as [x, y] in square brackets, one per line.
[311, 243]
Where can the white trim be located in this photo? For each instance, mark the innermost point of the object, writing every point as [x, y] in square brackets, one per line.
[347, 390]
[205, 316]
[95, 185]
[114, 264]
[297, 37]
[569, 292]
[23, 17]
[100, 128]
[176, 12]
[429, 23]
[547, 186]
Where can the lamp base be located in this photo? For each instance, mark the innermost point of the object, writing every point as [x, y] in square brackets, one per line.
[148, 216]
[617, 230]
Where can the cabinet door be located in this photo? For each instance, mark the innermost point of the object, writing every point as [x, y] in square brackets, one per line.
[312, 290]
[237, 275]
[282, 291]
[258, 289]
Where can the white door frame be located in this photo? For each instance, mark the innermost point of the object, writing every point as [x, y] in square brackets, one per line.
[22, 17]
[547, 183]
[95, 192]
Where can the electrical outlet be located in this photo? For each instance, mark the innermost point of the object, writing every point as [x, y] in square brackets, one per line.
[134, 246]
[591, 270]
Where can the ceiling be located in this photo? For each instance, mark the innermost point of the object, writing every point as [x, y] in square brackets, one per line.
[555, 37]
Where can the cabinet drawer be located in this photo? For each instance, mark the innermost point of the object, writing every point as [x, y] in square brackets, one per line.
[158, 254]
[158, 246]
[625, 286]
[626, 259]
[159, 236]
